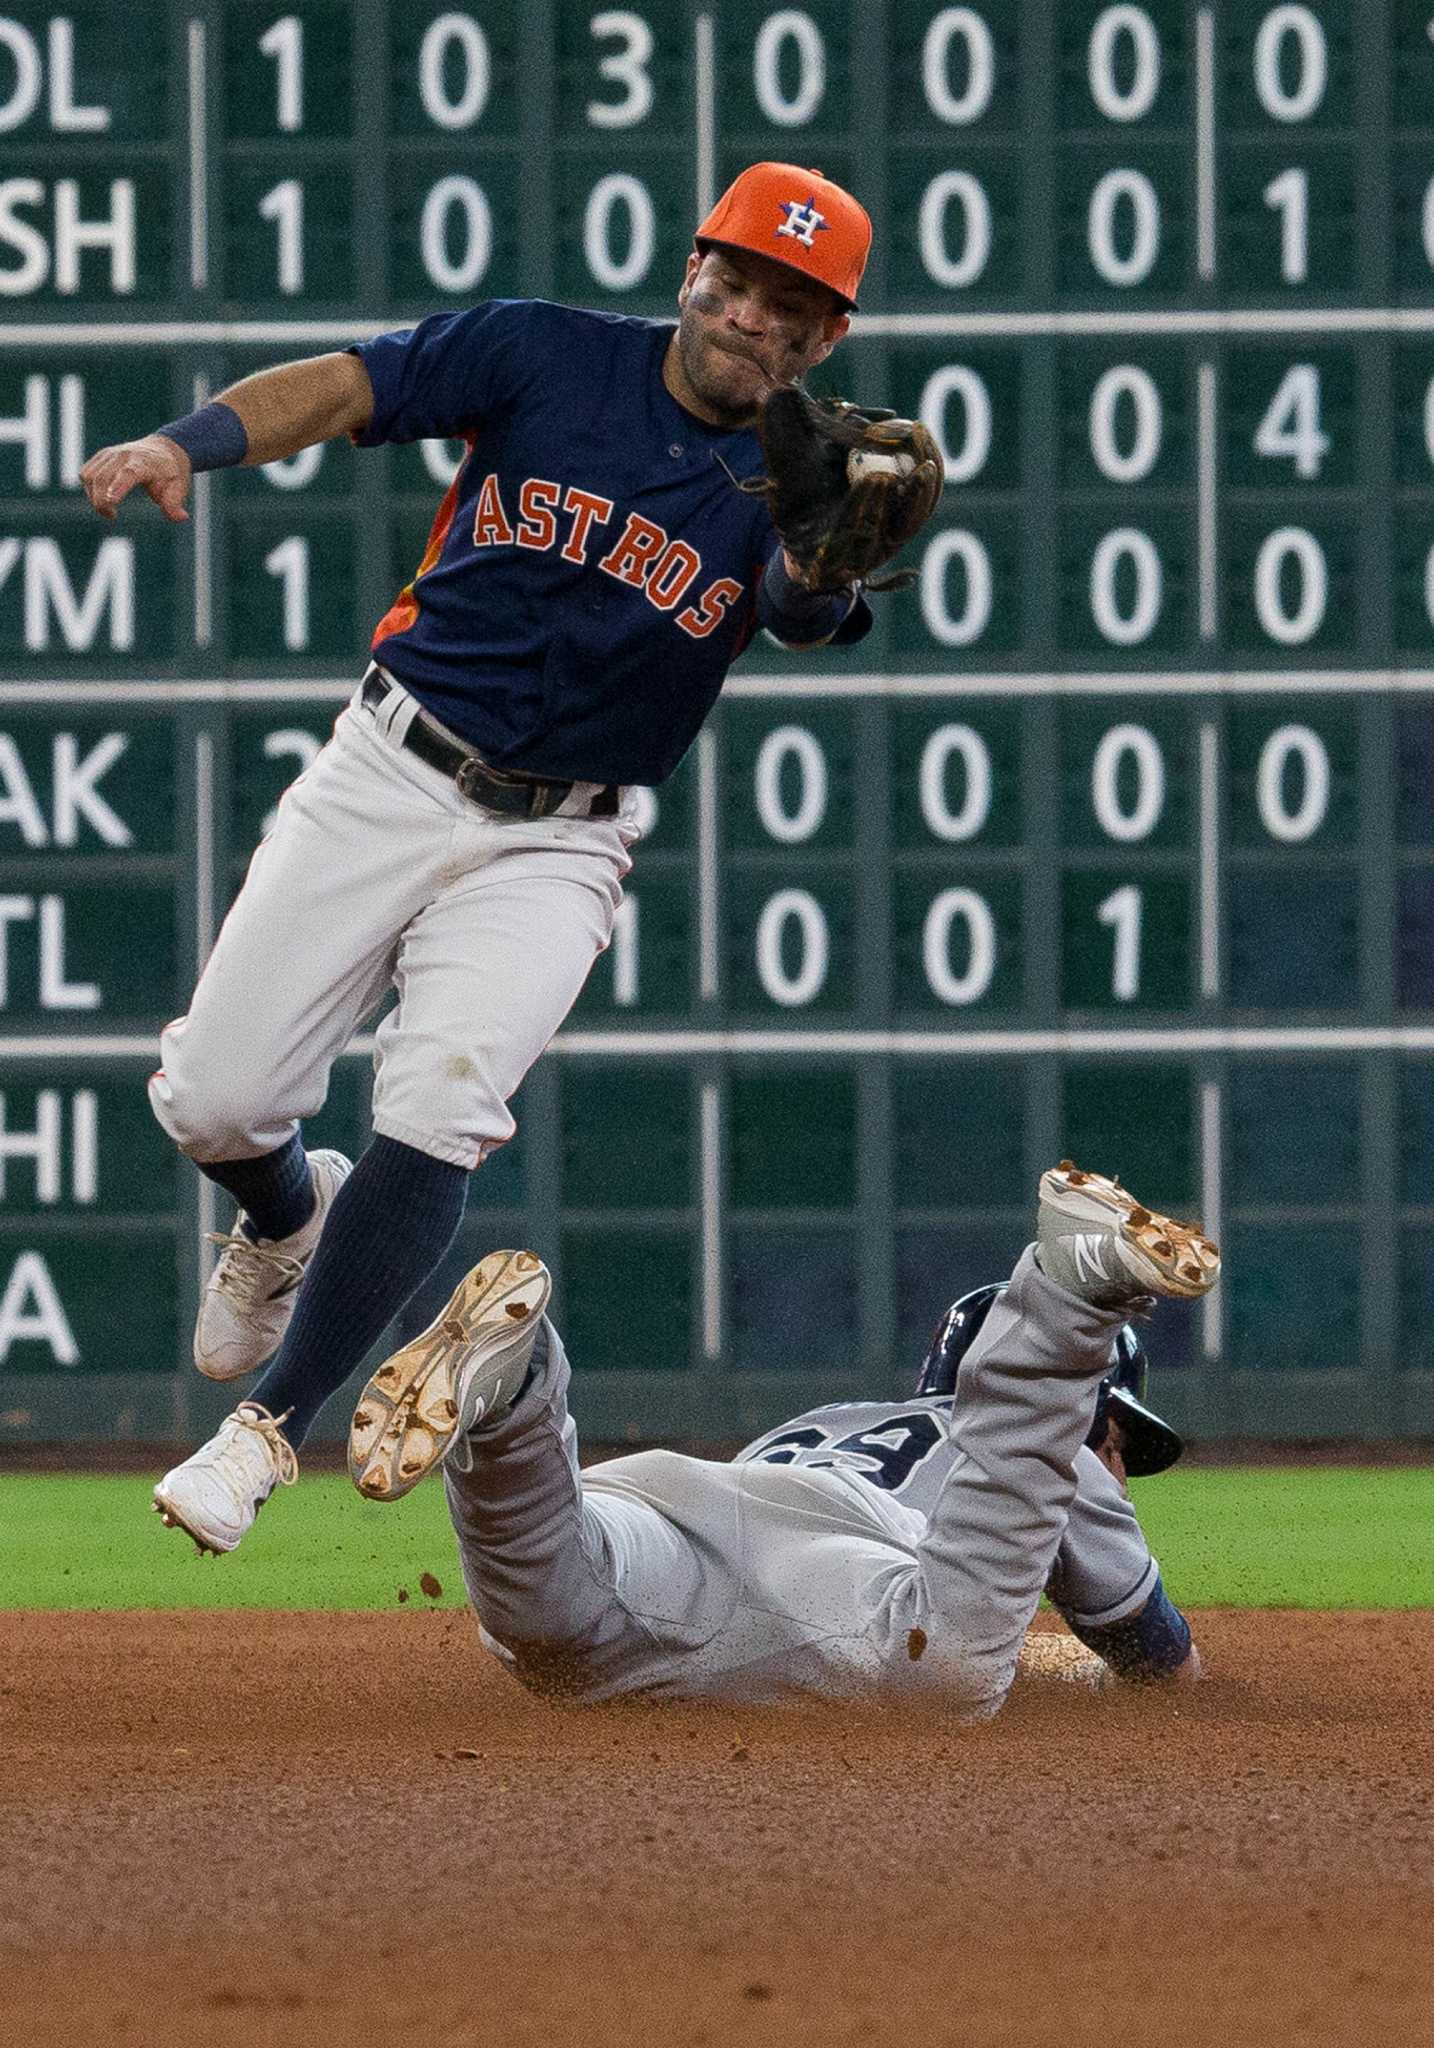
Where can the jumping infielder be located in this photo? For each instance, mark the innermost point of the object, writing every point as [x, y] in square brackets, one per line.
[860, 1549]
[591, 575]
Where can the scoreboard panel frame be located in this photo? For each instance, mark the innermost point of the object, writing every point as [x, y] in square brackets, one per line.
[928, 1201]
[1046, 862]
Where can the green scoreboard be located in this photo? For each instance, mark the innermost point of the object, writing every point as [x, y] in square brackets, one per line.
[1116, 838]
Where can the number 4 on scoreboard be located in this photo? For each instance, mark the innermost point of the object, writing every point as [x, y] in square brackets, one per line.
[1290, 430]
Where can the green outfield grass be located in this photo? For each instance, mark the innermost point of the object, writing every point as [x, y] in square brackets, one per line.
[1256, 1536]
[87, 1541]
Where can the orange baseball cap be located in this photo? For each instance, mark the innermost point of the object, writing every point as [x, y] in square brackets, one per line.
[795, 217]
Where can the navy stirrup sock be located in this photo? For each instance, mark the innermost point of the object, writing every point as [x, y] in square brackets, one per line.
[391, 1222]
[276, 1191]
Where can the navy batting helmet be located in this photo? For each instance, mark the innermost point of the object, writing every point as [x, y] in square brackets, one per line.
[1150, 1444]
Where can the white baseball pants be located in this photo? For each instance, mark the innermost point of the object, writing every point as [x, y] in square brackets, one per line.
[377, 872]
[665, 1574]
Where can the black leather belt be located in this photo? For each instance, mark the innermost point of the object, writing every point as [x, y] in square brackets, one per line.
[516, 796]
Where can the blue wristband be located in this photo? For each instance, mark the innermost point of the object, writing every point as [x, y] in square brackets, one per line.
[1148, 1645]
[795, 614]
[212, 438]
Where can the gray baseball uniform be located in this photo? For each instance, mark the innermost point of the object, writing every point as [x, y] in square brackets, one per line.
[1103, 1570]
[779, 1574]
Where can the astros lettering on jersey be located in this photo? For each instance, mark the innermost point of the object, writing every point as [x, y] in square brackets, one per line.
[643, 556]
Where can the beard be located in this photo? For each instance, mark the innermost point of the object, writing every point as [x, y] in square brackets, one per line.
[732, 386]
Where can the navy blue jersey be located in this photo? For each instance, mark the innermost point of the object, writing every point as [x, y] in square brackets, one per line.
[593, 571]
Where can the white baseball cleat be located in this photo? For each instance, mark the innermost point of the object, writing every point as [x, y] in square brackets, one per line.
[466, 1366]
[1098, 1242]
[252, 1290]
[215, 1495]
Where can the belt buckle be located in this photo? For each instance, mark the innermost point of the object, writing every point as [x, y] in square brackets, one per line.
[487, 786]
[471, 776]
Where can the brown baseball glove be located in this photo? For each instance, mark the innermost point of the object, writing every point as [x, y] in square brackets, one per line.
[848, 486]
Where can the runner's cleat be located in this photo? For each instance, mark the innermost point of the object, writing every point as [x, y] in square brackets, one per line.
[1098, 1242]
[466, 1368]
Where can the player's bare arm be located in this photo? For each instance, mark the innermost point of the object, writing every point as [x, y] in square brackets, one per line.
[277, 411]
[299, 404]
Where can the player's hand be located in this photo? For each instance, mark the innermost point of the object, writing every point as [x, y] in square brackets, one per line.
[156, 464]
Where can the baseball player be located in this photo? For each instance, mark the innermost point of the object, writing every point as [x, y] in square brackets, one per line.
[858, 1550]
[606, 551]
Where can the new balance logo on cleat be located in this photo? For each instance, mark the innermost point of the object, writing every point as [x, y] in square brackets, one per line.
[1089, 1264]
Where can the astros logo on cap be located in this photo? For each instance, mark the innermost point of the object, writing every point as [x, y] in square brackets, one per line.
[802, 219]
[796, 217]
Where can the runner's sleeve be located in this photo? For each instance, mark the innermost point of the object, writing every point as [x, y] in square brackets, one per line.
[439, 379]
[1103, 1571]
[1105, 1585]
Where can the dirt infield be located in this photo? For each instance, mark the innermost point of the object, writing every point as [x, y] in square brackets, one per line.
[317, 1829]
